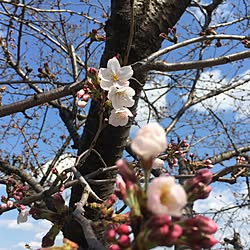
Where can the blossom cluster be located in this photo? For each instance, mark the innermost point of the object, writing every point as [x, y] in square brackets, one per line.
[115, 80]
[157, 206]
[15, 192]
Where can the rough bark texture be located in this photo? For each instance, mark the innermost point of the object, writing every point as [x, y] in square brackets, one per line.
[151, 17]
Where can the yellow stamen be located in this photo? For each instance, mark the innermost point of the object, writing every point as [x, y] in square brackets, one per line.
[115, 77]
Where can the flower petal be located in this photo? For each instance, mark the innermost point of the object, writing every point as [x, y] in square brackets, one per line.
[105, 74]
[126, 73]
[106, 84]
[114, 65]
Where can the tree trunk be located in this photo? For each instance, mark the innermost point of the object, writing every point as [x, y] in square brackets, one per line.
[147, 19]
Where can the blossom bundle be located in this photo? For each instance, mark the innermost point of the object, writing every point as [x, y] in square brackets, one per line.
[115, 80]
[156, 208]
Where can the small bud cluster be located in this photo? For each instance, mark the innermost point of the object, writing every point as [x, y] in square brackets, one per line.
[89, 89]
[197, 187]
[246, 43]
[174, 151]
[118, 236]
[171, 35]
[95, 37]
[241, 160]
[197, 232]
[14, 191]
[44, 72]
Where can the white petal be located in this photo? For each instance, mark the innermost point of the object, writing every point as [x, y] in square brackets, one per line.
[126, 73]
[114, 65]
[105, 74]
[119, 117]
[106, 85]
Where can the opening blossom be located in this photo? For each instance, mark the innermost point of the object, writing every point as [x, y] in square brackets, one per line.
[119, 117]
[121, 97]
[115, 75]
[165, 196]
[149, 141]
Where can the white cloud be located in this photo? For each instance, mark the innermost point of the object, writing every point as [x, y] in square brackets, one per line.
[12, 224]
[235, 100]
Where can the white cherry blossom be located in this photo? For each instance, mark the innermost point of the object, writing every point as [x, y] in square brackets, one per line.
[115, 75]
[121, 97]
[119, 117]
[165, 196]
[149, 141]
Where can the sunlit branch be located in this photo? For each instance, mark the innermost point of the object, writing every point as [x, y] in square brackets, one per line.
[185, 43]
[39, 99]
[166, 67]
[229, 154]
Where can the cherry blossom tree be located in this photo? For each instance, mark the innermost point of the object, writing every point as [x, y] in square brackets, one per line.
[76, 77]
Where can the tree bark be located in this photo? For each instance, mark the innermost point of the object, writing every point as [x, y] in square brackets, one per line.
[143, 21]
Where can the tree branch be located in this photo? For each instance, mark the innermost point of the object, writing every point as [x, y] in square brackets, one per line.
[166, 67]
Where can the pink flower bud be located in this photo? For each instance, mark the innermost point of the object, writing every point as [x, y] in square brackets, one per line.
[110, 235]
[114, 247]
[120, 188]
[204, 175]
[92, 71]
[127, 173]
[3, 206]
[204, 193]
[163, 35]
[208, 241]
[123, 229]
[124, 240]
[175, 232]
[85, 97]
[158, 221]
[54, 171]
[204, 224]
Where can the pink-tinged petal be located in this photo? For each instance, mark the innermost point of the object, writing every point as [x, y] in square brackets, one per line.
[158, 164]
[105, 74]
[165, 196]
[121, 84]
[126, 73]
[122, 97]
[114, 65]
[81, 104]
[149, 141]
[106, 85]
[119, 117]
[80, 93]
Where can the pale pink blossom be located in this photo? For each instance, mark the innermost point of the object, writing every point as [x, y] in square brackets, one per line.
[115, 75]
[149, 141]
[3, 205]
[10, 203]
[165, 196]
[119, 117]
[121, 97]
[158, 164]
[22, 216]
[82, 98]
